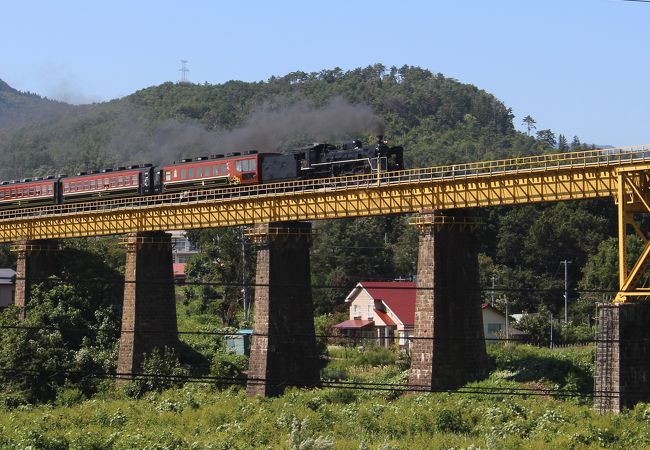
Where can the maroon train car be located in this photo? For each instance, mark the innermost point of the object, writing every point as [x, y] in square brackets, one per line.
[28, 192]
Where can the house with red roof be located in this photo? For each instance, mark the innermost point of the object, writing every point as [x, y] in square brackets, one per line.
[381, 311]
[384, 312]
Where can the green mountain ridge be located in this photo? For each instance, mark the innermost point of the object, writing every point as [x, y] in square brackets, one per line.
[438, 120]
[22, 108]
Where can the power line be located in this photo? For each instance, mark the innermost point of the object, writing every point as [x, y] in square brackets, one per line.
[327, 383]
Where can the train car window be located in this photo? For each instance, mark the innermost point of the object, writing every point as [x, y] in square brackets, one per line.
[92, 184]
[223, 168]
[182, 173]
[38, 190]
[2, 195]
[79, 186]
[106, 183]
[31, 191]
[175, 173]
[50, 189]
[252, 165]
[113, 183]
[190, 173]
[25, 192]
[127, 180]
[168, 175]
[199, 171]
[86, 185]
[66, 188]
[134, 180]
[215, 170]
[120, 181]
[238, 166]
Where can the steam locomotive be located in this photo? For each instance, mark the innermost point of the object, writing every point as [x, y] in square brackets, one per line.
[249, 167]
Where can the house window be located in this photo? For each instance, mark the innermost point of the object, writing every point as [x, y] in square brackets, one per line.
[493, 328]
[371, 312]
[357, 311]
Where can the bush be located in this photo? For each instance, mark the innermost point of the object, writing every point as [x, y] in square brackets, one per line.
[160, 370]
[376, 356]
[228, 369]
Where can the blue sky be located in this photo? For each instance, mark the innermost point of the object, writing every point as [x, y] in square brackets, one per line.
[579, 67]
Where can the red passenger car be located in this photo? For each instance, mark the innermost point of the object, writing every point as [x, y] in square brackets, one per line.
[28, 192]
[213, 171]
[107, 183]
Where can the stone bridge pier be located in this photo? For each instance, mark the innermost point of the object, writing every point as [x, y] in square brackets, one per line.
[149, 308]
[448, 348]
[622, 372]
[36, 261]
[283, 348]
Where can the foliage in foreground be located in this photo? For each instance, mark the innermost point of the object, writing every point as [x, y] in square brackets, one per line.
[199, 417]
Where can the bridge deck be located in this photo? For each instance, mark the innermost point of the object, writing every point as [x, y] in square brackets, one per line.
[555, 177]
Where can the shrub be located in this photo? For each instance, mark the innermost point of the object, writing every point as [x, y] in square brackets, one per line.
[228, 369]
[376, 356]
[160, 370]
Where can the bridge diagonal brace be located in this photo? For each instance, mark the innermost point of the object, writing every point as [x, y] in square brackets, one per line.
[631, 196]
[637, 270]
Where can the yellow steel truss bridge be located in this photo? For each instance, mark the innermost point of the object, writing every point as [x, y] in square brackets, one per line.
[621, 173]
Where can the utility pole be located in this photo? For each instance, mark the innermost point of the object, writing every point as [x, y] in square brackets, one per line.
[244, 289]
[507, 321]
[494, 280]
[566, 290]
[551, 345]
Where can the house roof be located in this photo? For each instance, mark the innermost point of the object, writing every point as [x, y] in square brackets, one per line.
[398, 296]
[179, 269]
[354, 324]
[385, 318]
[7, 276]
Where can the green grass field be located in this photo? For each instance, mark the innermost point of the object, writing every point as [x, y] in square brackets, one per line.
[201, 416]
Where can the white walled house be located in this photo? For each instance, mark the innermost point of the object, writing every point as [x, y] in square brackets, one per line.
[384, 312]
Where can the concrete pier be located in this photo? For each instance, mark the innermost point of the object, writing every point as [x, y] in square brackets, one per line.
[283, 348]
[448, 348]
[36, 261]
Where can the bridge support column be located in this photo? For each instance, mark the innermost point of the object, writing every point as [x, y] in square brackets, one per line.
[283, 349]
[449, 346]
[36, 261]
[622, 372]
[149, 308]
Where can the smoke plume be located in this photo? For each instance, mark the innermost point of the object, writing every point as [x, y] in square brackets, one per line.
[273, 127]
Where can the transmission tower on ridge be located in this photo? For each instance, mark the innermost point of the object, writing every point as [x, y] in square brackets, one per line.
[184, 71]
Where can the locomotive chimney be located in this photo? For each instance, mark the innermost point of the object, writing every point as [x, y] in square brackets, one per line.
[380, 139]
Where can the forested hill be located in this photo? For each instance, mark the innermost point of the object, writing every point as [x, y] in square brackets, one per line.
[18, 108]
[437, 119]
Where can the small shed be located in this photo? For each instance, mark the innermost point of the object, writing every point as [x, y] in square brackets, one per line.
[240, 343]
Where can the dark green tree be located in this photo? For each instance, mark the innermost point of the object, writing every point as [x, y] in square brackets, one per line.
[547, 137]
[529, 122]
[217, 271]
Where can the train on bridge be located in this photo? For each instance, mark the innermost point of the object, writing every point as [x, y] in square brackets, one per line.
[204, 172]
